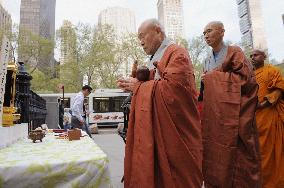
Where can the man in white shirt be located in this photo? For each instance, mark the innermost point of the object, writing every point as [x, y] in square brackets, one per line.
[77, 120]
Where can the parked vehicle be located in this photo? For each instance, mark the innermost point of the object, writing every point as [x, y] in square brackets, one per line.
[103, 105]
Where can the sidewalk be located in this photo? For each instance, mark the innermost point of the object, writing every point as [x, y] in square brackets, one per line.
[112, 144]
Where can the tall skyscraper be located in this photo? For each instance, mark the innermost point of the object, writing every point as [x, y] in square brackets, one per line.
[170, 14]
[68, 42]
[38, 16]
[252, 24]
[122, 20]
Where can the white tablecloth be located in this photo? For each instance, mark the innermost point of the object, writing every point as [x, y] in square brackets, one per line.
[54, 163]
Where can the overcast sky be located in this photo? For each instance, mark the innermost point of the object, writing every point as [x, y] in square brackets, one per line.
[196, 12]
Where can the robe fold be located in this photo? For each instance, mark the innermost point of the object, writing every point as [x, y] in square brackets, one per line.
[270, 124]
[231, 156]
[164, 144]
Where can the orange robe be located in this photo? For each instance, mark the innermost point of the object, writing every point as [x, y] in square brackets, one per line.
[231, 156]
[270, 124]
[164, 144]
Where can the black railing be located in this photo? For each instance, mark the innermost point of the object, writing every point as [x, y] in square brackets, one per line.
[31, 106]
[37, 110]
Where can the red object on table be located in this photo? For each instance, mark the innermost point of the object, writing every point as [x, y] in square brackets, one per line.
[58, 130]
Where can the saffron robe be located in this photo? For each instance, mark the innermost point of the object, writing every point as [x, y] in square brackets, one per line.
[270, 124]
[164, 144]
[231, 156]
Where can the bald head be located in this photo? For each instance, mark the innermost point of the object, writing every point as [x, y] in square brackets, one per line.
[151, 34]
[257, 58]
[258, 51]
[216, 24]
[152, 24]
[214, 34]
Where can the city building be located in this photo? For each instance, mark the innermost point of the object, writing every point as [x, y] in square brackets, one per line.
[5, 18]
[121, 19]
[170, 14]
[38, 16]
[252, 24]
[68, 42]
[123, 22]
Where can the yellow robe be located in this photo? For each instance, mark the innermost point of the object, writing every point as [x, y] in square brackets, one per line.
[270, 124]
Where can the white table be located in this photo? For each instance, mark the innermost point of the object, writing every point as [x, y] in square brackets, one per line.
[54, 163]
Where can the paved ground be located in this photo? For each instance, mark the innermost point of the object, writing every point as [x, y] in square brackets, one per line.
[113, 145]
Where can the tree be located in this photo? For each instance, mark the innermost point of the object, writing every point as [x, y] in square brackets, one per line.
[198, 51]
[131, 48]
[85, 34]
[32, 48]
[182, 42]
[69, 69]
[44, 82]
[103, 57]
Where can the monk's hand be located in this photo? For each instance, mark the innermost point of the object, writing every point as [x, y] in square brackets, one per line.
[263, 105]
[203, 75]
[127, 84]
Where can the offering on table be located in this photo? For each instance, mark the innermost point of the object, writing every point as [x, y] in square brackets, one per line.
[36, 135]
[74, 134]
[62, 136]
[58, 130]
[44, 128]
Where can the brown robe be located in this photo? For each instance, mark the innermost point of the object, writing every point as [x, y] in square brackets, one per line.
[231, 156]
[164, 144]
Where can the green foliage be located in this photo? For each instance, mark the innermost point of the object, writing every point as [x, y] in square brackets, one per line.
[100, 65]
[198, 51]
[33, 49]
[246, 49]
[44, 82]
[182, 42]
[130, 49]
[95, 53]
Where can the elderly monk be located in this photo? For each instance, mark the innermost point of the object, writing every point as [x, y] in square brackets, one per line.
[231, 157]
[270, 120]
[164, 144]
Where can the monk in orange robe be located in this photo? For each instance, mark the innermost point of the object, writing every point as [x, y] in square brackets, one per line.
[270, 120]
[231, 156]
[164, 144]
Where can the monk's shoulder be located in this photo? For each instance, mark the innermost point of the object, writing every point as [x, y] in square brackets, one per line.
[235, 50]
[176, 50]
[272, 70]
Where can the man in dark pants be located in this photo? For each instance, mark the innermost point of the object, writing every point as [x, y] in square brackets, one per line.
[77, 120]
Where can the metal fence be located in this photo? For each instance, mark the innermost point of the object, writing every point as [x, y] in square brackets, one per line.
[31, 106]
